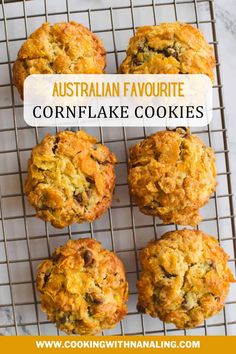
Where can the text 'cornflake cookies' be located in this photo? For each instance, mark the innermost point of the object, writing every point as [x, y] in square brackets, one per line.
[171, 175]
[185, 278]
[170, 48]
[70, 179]
[62, 48]
[83, 287]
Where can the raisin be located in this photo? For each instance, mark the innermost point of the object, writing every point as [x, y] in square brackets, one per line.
[155, 298]
[104, 163]
[64, 319]
[93, 298]
[167, 274]
[96, 299]
[89, 193]
[137, 62]
[90, 180]
[79, 197]
[46, 278]
[55, 144]
[181, 151]
[88, 258]
[56, 257]
[140, 308]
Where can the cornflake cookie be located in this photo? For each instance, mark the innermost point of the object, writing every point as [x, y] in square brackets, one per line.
[70, 178]
[171, 175]
[185, 278]
[170, 48]
[62, 48]
[83, 287]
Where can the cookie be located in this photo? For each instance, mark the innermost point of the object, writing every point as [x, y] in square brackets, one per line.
[171, 175]
[83, 287]
[62, 48]
[185, 278]
[169, 48]
[70, 179]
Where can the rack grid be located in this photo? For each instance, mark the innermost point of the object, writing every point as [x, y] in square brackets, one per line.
[26, 241]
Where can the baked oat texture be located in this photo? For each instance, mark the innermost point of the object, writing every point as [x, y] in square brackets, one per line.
[83, 287]
[185, 278]
[62, 48]
[171, 175]
[70, 179]
[169, 48]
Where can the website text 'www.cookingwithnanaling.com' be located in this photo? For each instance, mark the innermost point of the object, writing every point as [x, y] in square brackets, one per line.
[117, 344]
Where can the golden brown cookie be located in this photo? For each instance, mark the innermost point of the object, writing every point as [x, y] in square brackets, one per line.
[62, 48]
[171, 175]
[83, 287]
[170, 48]
[185, 278]
[71, 178]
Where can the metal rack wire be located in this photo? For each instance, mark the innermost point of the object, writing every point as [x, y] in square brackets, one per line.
[24, 237]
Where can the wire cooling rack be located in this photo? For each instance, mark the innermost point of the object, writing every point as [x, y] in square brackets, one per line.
[25, 241]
